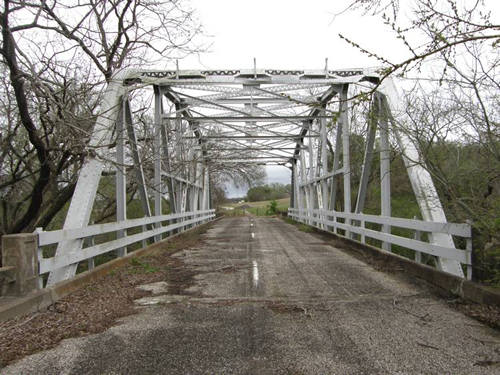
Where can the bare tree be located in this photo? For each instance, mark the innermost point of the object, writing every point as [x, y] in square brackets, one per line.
[433, 30]
[453, 107]
[58, 56]
[462, 158]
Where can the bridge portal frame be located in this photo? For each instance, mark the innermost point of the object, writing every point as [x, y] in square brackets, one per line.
[251, 134]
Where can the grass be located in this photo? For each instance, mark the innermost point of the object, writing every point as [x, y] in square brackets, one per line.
[143, 267]
[305, 228]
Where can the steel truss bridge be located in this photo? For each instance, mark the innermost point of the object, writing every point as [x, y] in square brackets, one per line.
[293, 118]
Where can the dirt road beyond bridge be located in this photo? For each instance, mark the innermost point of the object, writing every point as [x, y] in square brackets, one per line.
[271, 299]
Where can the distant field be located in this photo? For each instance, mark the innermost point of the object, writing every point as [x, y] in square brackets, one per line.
[285, 202]
[259, 208]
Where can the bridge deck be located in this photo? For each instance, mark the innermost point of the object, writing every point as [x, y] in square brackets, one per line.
[269, 298]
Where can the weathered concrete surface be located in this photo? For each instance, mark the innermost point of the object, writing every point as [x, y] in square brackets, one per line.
[270, 299]
[20, 251]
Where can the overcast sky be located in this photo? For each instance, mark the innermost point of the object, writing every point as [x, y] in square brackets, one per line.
[284, 34]
[290, 34]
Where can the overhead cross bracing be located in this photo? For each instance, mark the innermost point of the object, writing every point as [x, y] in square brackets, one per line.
[255, 116]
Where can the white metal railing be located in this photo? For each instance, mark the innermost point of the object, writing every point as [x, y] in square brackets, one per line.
[356, 223]
[53, 237]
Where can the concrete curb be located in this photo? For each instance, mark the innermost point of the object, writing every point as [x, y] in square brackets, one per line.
[43, 298]
[445, 282]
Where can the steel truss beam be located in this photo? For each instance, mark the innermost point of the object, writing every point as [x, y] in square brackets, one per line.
[261, 113]
[81, 204]
[256, 100]
[285, 118]
[270, 148]
[264, 161]
[251, 138]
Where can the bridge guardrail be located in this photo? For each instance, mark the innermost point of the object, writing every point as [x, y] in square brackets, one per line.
[328, 220]
[52, 237]
[23, 255]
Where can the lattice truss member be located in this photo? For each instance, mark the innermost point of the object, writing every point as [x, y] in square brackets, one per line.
[291, 118]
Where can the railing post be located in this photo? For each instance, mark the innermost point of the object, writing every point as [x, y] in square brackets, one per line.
[144, 241]
[468, 248]
[362, 225]
[20, 251]
[469, 258]
[417, 236]
[40, 256]
[90, 261]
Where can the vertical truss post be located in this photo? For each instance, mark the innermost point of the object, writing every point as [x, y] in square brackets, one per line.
[205, 200]
[324, 162]
[204, 195]
[183, 187]
[373, 118]
[299, 191]
[196, 180]
[292, 183]
[311, 173]
[180, 202]
[189, 194]
[299, 177]
[191, 177]
[317, 189]
[385, 175]
[210, 195]
[178, 196]
[188, 190]
[303, 176]
[121, 179]
[157, 151]
[336, 165]
[166, 160]
[346, 158]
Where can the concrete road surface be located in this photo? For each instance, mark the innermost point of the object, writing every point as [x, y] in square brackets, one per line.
[270, 299]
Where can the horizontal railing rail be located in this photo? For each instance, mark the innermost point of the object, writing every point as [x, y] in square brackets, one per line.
[155, 229]
[55, 236]
[356, 223]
